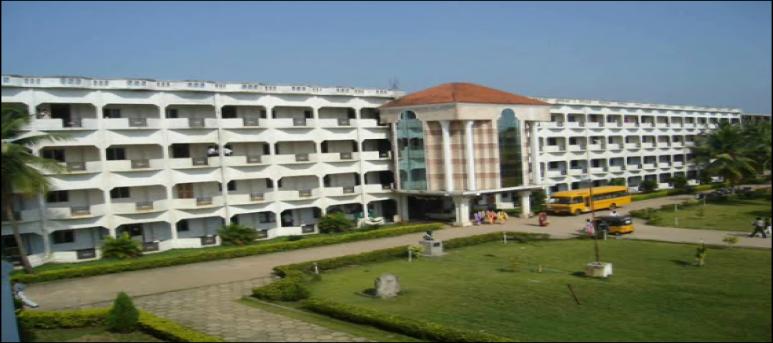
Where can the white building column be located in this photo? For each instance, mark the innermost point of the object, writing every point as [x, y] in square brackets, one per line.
[534, 151]
[448, 166]
[469, 149]
[402, 207]
[462, 207]
[525, 205]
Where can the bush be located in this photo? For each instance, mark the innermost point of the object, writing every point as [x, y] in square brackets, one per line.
[26, 333]
[335, 222]
[617, 182]
[648, 186]
[290, 288]
[411, 327]
[293, 238]
[155, 326]
[538, 201]
[237, 234]
[123, 315]
[121, 248]
[220, 253]
[680, 184]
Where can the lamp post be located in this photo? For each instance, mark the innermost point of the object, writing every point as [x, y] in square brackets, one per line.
[592, 213]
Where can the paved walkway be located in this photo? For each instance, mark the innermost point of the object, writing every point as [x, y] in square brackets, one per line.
[212, 309]
[201, 295]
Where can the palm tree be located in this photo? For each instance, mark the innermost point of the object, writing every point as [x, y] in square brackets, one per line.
[21, 170]
[759, 140]
[725, 152]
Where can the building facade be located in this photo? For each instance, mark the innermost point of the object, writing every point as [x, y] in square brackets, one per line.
[170, 162]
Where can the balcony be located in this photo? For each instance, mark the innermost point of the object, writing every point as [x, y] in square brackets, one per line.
[648, 145]
[58, 124]
[632, 145]
[237, 123]
[339, 157]
[376, 188]
[594, 125]
[662, 125]
[647, 125]
[134, 165]
[616, 168]
[553, 148]
[575, 124]
[290, 195]
[576, 147]
[678, 164]
[375, 155]
[630, 125]
[295, 158]
[143, 206]
[194, 162]
[337, 122]
[614, 146]
[191, 123]
[649, 166]
[556, 173]
[595, 147]
[598, 170]
[246, 160]
[293, 123]
[251, 198]
[75, 212]
[26, 215]
[199, 202]
[132, 123]
[83, 167]
[664, 165]
[578, 171]
[342, 191]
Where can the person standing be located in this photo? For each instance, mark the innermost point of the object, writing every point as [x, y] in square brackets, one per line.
[759, 226]
[589, 228]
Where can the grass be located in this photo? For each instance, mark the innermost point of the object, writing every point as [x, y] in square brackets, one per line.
[181, 252]
[91, 334]
[655, 294]
[291, 310]
[729, 215]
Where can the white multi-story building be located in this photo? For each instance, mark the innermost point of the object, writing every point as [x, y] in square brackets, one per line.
[169, 162]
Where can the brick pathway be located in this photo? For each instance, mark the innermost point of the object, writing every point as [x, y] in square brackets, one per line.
[213, 310]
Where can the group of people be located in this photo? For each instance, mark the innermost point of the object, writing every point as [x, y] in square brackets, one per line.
[761, 227]
[212, 151]
[489, 217]
[590, 227]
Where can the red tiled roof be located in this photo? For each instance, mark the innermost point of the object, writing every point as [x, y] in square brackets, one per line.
[462, 92]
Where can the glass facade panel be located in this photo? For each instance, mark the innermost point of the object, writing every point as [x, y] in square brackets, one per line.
[410, 144]
[510, 168]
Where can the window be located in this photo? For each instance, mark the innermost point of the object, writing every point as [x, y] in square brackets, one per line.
[231, 185]
[53, 154]
[119, 193]
[181, 151]
[114, 154]
[111, 113]
[183, 225]
[269, 184]
[235, 220]
[171, 113]
[185, 191]
[552, 141]
[64, 236]
[133, 230]
[57, 196]
[229, 112]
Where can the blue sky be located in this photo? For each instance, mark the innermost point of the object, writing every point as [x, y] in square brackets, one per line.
[714, 53]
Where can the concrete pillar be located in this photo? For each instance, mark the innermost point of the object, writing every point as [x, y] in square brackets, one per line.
[534, 146]
[402, 207]
[469, 149]
[462, 206]
[525, 205]
[448, 166]
[46, 244]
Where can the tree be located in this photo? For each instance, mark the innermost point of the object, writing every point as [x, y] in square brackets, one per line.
[759, 143]
[123, 316]
[121, 247]
[22, 171]
[648, 185]
[680, 184]
[237, 234]
[335, 222]
[726, 152]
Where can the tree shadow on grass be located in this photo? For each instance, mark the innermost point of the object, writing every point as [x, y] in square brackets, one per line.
[682, 263]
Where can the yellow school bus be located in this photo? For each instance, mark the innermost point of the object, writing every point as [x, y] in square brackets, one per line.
[579, 201]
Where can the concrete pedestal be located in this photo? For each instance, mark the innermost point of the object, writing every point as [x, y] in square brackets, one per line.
[432, 248]
[598, 269]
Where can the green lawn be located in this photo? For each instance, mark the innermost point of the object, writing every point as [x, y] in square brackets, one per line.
[729, 215]
[654, 295]
[91, 334]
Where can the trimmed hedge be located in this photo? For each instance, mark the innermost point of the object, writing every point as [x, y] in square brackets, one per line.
[411, 327]
[221, 253]
[290, 288]
[669, 192]
[155, 326]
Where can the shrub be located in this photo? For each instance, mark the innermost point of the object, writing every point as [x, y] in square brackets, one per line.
[335, 222]
[237, 234]
[648, 186]
[538, 201]
[121, 248]
[680, 184]
[170, 331]
[220, 253]
[293, 238]
[411, 327]
[289, 288]
[26, 333]
[123, 315]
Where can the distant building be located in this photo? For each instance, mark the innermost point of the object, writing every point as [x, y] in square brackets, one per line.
[150, 158]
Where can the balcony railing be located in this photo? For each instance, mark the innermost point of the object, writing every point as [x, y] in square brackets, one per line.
[144, 206]
[200, 161]
[80, 211]
[140, 163]
[204, 201]
[76, 166]
[308, 228]
[254, 158]
[150, 246]
[138, 122]
[208, 240]
[344, 122]
[304, 193]
[196, 122]
[251, 121]
[346, 155]
[83, 254]
[257, 196]
[302, 157]
[299, 121]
